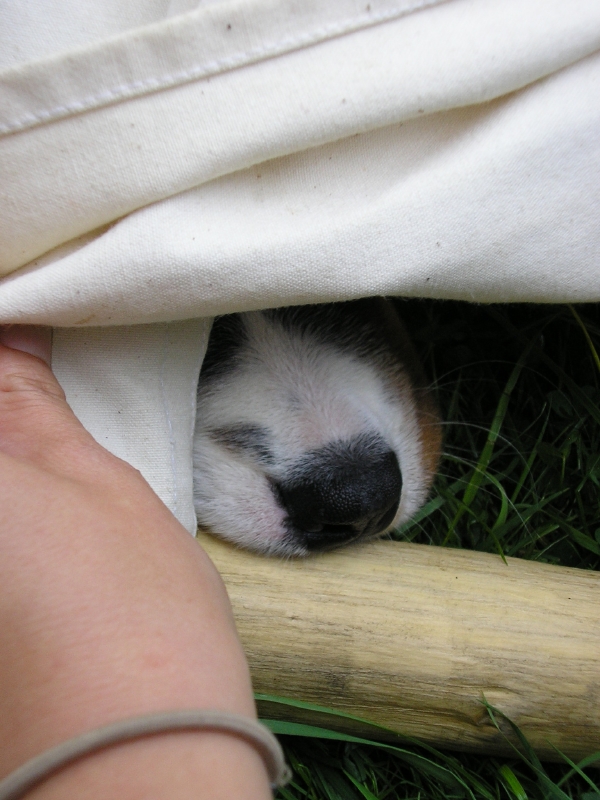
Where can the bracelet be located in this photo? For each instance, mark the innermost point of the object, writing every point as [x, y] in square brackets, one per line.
[41, 767]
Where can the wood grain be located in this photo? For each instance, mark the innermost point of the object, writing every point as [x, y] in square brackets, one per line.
[413, 637]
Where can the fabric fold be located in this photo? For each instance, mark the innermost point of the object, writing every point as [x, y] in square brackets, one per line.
[68, 177]
[134, 389]
[256, 153]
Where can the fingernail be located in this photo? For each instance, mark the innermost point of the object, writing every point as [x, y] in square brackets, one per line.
[33, 339]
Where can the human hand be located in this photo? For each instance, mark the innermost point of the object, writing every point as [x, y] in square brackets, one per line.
[108, 608]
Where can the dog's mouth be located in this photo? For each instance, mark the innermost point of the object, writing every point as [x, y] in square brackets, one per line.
[328, 536]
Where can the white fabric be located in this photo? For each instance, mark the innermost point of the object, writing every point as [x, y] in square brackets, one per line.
[255, 153]
[134, 389]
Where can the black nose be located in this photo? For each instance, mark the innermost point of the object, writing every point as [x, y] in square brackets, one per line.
[342, 492]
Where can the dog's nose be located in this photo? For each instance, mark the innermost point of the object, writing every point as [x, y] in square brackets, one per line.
[341, 494]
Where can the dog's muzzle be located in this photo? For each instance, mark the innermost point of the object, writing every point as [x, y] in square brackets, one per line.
[341, 492]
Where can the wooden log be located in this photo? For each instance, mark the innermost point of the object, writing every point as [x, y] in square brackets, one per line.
[414, 637]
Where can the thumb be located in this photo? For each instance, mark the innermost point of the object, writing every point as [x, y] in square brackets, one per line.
[36, 423]
[33, 339]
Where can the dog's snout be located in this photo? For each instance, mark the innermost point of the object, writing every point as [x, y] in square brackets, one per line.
[306, 418]
[346, 492]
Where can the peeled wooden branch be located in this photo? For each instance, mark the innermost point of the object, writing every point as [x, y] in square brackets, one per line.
[414, 637]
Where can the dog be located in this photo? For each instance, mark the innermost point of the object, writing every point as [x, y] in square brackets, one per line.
[314, 427]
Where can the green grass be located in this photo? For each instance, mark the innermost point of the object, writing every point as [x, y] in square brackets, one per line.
[519, 390]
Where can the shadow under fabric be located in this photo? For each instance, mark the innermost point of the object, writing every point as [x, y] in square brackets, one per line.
[161, 164]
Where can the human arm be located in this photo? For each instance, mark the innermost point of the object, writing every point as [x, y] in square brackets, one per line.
[108, 610]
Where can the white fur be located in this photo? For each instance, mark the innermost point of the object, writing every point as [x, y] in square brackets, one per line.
[306, 393]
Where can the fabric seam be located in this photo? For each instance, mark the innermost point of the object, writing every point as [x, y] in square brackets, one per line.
[170, 80]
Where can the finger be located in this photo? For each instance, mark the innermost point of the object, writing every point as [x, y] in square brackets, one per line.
[33, 339]
[36, 423]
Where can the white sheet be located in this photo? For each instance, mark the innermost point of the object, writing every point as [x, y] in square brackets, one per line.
[263, 152]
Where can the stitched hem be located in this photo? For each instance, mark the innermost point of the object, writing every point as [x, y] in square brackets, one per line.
[18, 82]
